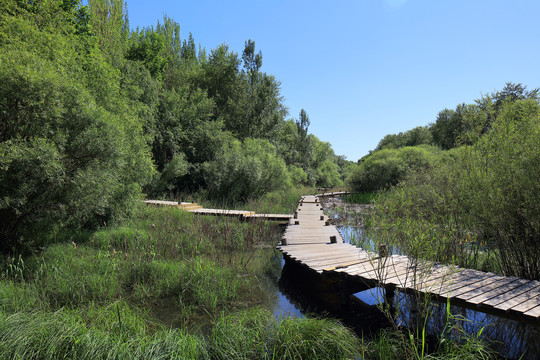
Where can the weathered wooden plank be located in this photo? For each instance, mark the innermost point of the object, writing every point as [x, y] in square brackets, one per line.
[161, 202]
[381, 270]
[474, 283]
[498, 300]
[337, 263]
[324, 263]
[534, 312]
[532, 294]
[492, 290]
[461, 278]
[527, 305]
[332, 256]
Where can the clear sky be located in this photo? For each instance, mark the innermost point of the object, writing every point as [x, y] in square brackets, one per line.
[366, 68]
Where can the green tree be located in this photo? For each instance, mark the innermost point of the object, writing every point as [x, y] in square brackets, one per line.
[108, 24]
[304, 142]
[245, 170]
[418, 136]
[72, 153]
[448, 127]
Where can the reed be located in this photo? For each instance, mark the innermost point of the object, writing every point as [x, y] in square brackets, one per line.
[64, 335]
[256, 334]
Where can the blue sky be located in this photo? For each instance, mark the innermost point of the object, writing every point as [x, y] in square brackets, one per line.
[366, 68]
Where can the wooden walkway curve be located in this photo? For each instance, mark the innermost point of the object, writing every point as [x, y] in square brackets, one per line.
[310, 240]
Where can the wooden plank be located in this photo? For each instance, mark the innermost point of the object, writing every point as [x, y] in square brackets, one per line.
[324, 263]
[534, 312]
[474, 283]
[495, 301]
[428, 277]
[492, 290]
[527, 305]
[328, 257]
[362, 270]
[337, 263]
[459, 280]
[161, 202]
[532, 294]
[380, 271]
[400, 275]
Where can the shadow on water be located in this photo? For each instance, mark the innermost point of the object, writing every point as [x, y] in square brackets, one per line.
[314, 295]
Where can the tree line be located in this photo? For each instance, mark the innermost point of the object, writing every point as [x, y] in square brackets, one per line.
[94, 114]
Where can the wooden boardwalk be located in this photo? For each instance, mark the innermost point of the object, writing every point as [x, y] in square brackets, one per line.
[312, 241]
[199, 210]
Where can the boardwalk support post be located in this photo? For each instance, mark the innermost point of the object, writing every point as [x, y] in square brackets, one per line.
[333, 239]
[296, 214]
[322, 217]
[383, 250]
[297, 222]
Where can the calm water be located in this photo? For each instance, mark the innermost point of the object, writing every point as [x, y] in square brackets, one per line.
[299, 292]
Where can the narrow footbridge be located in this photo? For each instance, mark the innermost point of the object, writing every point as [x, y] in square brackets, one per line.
[197, 209]
[312, 241]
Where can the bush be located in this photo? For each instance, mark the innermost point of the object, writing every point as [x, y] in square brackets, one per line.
[67, 158]
[480, 206]
[245, 170]
[328, 175]
[387, 167]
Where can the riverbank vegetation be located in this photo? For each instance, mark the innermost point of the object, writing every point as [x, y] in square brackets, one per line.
[165, 284]
[472, 201]
[463, 190]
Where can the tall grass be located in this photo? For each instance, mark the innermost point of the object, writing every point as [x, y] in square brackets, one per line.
[360, 198]
[64, 335]
[190, 264]
[275, 202]
[256, 334]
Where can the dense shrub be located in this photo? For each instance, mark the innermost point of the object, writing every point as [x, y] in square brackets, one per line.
[387, 167]
[420, 135]
[244, 170]
[328, 175]
[478, 208]
[65, 159]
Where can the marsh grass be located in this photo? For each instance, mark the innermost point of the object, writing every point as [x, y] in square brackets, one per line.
[123, 292]
[64, 334]
[454, 343]
[275, 202]
[256, 334]
[360, 198]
